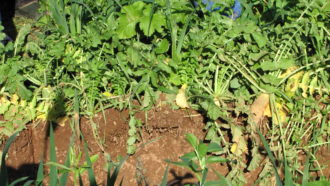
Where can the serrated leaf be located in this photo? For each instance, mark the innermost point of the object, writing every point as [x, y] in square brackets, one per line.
[131, 15]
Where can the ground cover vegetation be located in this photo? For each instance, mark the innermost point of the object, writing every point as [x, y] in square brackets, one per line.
[261, 77]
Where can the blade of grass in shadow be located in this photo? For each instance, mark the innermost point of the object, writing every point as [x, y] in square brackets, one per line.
[3, 170]
[53, 168]
[90, 171]
[18, 181]
[272, 159]
[40, 174]
[164, 180]
[28, 183]
[112, 179]
[80, 180]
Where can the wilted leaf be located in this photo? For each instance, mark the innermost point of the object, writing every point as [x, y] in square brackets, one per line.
[62, 120]
[258, 107]
[181, 99]
[281, 113]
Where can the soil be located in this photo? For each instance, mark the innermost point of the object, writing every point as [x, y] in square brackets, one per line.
[162, 138]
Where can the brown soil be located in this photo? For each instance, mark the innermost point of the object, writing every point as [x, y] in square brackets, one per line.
[162, 138]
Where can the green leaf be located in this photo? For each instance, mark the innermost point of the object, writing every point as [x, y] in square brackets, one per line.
[234, 83]
[192, 140]
[214, 147]
[131, 140]
[189, 156]
[202, 150]
[40, 174]
[127, 21]
[215, 159]
[282, 64]
[260, 39]
[271, 79]
[319, 183]
[162, 46]
[156, 24]
[213, 111]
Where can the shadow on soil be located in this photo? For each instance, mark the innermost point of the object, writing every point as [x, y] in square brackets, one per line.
[179, 180]
[26, 170]
[7, 10]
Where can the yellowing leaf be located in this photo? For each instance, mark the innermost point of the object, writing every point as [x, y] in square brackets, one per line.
[107, 94]
[62, 120]
[181, 99]
[233, 148]
[42, 116]
[313, 85]
[282, 114]
[304, 83]
[293, 81]
[14, 99]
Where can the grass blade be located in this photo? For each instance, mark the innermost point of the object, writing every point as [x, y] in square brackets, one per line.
[18, 181]
[203, 181]
[28, 183]
[306, 171]
[3, 169]
[40, 174]
[112, 180]
[53, 168]
[90, 171]
[287, 174]
[272, 159]
[64, 176]
[164, 180]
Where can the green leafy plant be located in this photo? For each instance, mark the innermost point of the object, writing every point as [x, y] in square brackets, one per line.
[200, 155]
